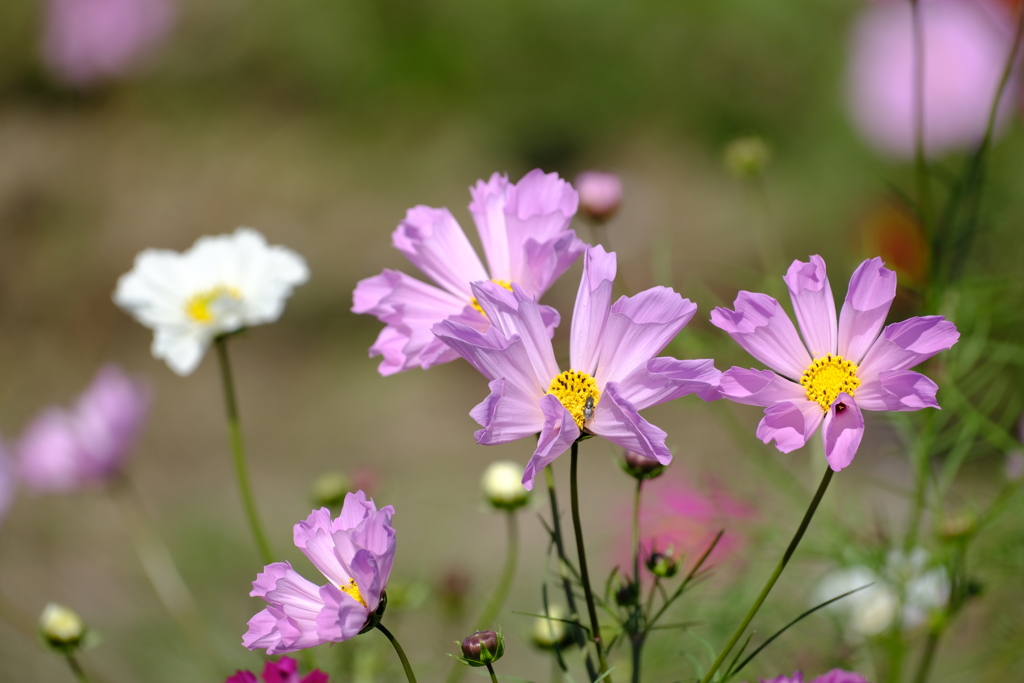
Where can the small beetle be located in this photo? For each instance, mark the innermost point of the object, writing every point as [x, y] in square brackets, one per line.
[588, 408]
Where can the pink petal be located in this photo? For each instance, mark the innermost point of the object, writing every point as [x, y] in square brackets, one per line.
[759, 387]
[507, 414]
[342, 616]
[314, 537]
[844, 427]
[872, 289]
[488, 210]
[617, 420]
[665, 379]
[814, 306]
[901, 390]
[546, 261]
[592, 308]
[761, 327]
[284, 670]
[433, 241]
[494, 356]
[242, 677]
[50, 457]
[315, 676]
[556, 436]
[355, 510]
[638, 328]
[367, 572]
[840, 676]
[289, 623]
[516, 314]
[905, 344]
[790, 424]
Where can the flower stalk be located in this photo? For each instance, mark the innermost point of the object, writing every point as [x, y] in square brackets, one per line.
[819, 494]
[76, 668]
[238, 453]
[400, 652]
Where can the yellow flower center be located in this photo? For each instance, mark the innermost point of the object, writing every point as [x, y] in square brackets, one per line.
[828, 377]
[578, 392]
[501, 283]
[353, 589]
[201, 307]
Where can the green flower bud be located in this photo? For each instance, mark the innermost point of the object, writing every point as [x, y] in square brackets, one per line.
[662, 565]
[482, 648]
[640, 467]
[329, 490]
[502, 485]
[627, 595]
[747, 157]
[61, 627]
[548, 632]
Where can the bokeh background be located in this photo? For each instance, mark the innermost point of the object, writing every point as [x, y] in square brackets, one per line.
[319, 123]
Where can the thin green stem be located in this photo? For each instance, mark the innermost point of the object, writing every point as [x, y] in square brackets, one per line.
[581, 551]
[924, 191]
[76, 669]
[401, 653]
[822, 487]
[238, 452]
[637, 641]
[563, 562]
[490, 670]
[928, 656]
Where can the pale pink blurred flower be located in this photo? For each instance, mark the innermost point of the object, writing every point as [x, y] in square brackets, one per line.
[65, 449]
[600, 194]
[90, 41]
[8, 481]
[966, 45]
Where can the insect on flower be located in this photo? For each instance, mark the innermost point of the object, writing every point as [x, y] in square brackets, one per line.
[588, 408]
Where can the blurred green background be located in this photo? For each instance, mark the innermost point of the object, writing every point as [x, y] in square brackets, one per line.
[319, 123]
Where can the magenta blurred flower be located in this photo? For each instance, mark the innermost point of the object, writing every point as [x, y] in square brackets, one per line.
[284, 670]
[91, 41]
[525, 233]
[600, 194]
[614, 373]
[355, 552]
[819, 382]
[966, 45]
[65, 449]
[833, 676]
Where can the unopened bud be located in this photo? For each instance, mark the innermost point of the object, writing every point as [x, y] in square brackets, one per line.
[627, 594]
[502, 484]
[329, 490]
[600, 194]
[61, 626]
[640, 467]
[662, 565]
[482, 648]
[550, 632]
[747, 157]
[957, 526]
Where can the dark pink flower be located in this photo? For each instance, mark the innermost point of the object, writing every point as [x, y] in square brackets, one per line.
[833, 676]
[65, 449]
[284, 670]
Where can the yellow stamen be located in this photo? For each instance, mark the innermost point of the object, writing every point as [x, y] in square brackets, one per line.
[573, 389]
[199, 306]
[828, 377]
[501, 283]
[353, 589]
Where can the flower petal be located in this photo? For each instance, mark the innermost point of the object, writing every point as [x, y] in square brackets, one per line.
[516, 314]
[546, 261]
[556, 436]
[814, 306]
[638, 328]
[872, 289]
[433, 241]
[242, 677]
[665, 379]
[844, 427]
[904, 344]
[591, 311]
[285, 670]
[488, 210]
[761, 326]
[493, 355]
[617, 420]
[506, 414]
[759, 387]
[342, 616]
[314, 537]
[289, 623]
[790, 424]
[902, 390]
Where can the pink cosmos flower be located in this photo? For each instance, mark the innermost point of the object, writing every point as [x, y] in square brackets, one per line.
[966, 45]
[88, 41]
[355, 552]
[285, 670]
[839, 369]
[613, 374]
[600, 194]
[527, 241]
[65, 449]
[833, 676]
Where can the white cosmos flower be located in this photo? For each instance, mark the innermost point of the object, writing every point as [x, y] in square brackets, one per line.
[221, 284]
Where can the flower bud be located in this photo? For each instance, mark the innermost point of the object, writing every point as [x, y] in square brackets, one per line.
[662, 565]
[549, 632]
[600, 194]
[627, 594]
[957, 526]
[482, 648]
[747, 157]
[61, 627]
[640, 467]
[329, 490]
[502, 485]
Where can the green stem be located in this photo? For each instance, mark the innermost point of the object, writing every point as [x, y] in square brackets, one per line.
[401, 653]
[920, 165]
[924, 668]
[637, 641]
[490, 670]
[581, 551]
[76, 669]
[238, 452]
[563, 562]
[774, 577]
